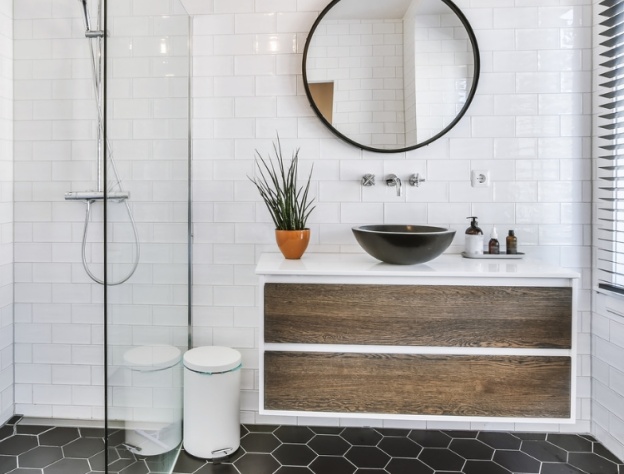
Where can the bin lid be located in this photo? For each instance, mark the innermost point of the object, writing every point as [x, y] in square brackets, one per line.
[154, 357]
[212, 359]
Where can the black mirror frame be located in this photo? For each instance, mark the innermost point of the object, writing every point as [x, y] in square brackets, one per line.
[471, 94]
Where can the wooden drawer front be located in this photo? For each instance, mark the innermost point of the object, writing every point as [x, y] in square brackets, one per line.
[497, 386]
[468, 316]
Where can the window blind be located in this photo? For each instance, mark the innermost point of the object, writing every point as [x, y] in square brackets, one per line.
[609, 238]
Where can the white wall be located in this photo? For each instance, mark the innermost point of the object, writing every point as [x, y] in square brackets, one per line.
[529, 125]
[6, 210]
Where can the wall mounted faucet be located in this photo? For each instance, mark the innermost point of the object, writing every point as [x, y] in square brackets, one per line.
[393, 180]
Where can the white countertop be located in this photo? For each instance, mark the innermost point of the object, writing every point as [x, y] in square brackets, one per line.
[447, 265]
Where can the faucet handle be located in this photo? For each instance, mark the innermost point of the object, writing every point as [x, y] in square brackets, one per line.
[415, 180]
[368, 180]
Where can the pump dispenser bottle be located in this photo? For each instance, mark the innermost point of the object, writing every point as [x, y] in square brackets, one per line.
[493, 244]
[474, 238]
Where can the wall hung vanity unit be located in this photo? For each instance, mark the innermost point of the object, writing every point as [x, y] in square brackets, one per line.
[453, 339]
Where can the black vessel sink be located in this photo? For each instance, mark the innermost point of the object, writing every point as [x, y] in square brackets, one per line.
[403, 244]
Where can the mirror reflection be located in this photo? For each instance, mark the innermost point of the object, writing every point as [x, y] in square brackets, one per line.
[392, 75]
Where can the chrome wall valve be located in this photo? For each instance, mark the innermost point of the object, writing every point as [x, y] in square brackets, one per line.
[368, 180]
[415, 180]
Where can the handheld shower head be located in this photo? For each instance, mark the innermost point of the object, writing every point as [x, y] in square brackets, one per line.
[85, 10]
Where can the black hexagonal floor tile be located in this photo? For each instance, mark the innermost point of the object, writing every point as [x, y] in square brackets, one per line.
[430, 439]
[92, 432]
[400, 447]
[58, 436]
[544, 451]
[40, 457]
[98, 462]
[7, 463]
[398, 432]
[329, 430]
[259, 442]
[83, 447]
[499, 440]
[472, 449]
[121, 464]
[187, 463]
[269, 449]
[517, 461]
[66, 466]
[293, 470]
[593, 463]
[6, 431]
[257, 464]
[261, 428]
[570, 442]
[361, 436]
[31, 429]
[367, 457]
[559, 468]
[329, 445]
[18, 444]
[294, 455]
[217, 469]
[531, 436]
[137, 467]
[442, 459]
[333, 464]
[294, 434]
[461, 433]
[484, 467]
[600, 450]
[408, 466]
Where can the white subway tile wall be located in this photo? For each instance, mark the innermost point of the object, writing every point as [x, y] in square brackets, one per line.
[529, 125]
[6, 211]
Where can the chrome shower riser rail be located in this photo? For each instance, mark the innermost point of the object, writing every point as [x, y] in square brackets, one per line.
[96, 196]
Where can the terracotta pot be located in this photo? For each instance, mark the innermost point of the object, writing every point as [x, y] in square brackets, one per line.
[292, 243]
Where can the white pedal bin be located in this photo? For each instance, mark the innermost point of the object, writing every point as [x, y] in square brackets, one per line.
[212, 401]
[156, 424]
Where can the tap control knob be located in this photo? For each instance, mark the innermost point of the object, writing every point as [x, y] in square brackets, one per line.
[415, 180]
[368, 180]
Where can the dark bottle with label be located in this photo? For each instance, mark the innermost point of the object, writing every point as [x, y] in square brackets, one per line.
[474, 238]
[512, 243]
[493, 244]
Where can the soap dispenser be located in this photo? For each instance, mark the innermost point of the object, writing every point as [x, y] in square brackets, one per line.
[474, 238]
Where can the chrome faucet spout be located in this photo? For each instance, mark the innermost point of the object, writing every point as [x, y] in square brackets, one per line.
[393, 180]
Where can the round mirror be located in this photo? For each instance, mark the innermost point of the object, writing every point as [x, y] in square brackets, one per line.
[391, 75]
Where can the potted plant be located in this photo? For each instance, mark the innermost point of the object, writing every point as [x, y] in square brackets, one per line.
[289, 205]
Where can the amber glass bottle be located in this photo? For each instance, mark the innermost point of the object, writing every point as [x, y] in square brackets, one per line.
[512, 243]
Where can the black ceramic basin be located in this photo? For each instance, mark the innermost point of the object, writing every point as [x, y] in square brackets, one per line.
[403, 244]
